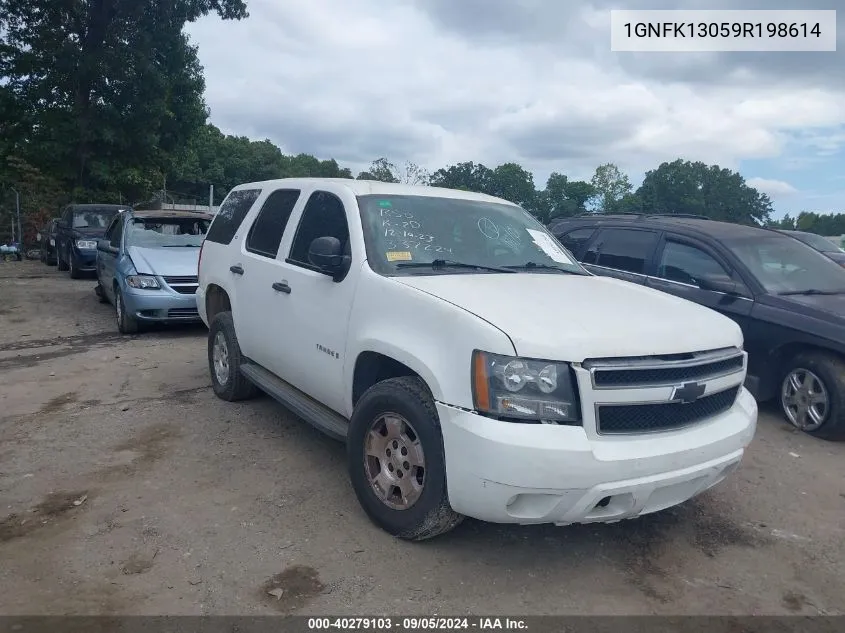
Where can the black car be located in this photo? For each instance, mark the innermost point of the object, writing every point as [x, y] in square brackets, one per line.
[79, 228]
[47, 242]
[821, 244]
[788, 298]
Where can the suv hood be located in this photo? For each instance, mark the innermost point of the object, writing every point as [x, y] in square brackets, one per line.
[176, 262]
[574, 317]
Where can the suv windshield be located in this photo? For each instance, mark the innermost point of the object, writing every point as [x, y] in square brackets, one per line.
[166, 232]
[93, 219]
[784, 265]
[404, 233]
[816, 241]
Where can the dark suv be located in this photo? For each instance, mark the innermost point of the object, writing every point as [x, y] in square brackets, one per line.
[788, 298]
[79, 228]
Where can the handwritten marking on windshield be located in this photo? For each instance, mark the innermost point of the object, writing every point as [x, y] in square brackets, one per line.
[488, 228]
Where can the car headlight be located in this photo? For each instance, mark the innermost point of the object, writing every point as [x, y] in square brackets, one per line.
[52, 242]
[521, 389]
[142, 281]
[86, 244]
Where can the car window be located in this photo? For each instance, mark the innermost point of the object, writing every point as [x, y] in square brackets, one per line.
[266, 232]
[323, 216]
[110, 231]
[687, 264]
[166, 232]
[232, 212]
[117, 232]
[622, 249]
[93, 218]
[574, 240]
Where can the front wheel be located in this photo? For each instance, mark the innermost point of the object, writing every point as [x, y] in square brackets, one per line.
[812, 395]
[73, 266]
[396, 460]
[60, 263]
[126, 323]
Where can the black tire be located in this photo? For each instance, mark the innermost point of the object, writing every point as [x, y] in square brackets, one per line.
[237, 386]
[60, 263]
[126, 323]
[830, 370]
[73, 267]
[430, 515]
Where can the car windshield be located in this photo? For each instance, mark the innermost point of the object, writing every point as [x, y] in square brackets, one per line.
[167, 232]
[417, 234]
[817, 241]
[93, 219]
[784, 265]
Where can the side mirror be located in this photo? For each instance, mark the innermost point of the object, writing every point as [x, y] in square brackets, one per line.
[103, 244]
[326, 254]
[718, 284]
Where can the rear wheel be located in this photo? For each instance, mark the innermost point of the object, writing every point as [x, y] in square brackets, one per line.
[225, 360]
[396, 460]
[812, 394]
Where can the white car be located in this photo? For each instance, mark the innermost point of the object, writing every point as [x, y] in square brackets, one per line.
[470, 364]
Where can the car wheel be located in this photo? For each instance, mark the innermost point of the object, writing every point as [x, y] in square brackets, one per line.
[225, 360]
[812, 395]
[73, 266]
[60, 263]
[396, 460]
[126, 323]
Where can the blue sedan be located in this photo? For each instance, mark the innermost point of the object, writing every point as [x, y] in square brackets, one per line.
[147, 266]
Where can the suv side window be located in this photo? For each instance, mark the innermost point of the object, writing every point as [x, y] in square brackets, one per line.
[67, 215]
[622, 249]
[117, 231]
[323, 216]
[576, 239]
[686, 264]
[265, 234]
[232, 212]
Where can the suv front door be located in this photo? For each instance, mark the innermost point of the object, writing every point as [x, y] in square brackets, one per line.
[623, 253]
[680, 265]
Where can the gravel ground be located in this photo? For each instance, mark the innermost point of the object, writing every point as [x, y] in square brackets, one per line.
[127, 487]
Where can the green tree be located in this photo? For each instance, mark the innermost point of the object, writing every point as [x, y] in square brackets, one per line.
[611, 186]
[699, 189]
[101, 94]
[564, 197]
[466, 176]
[382, 170]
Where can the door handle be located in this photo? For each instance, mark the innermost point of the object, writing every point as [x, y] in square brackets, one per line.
[281, 287]
[237, 269]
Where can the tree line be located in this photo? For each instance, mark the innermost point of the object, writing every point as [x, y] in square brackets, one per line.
[102, 101]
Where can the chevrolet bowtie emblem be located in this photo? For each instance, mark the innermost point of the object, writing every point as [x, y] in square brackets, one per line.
[688, 392]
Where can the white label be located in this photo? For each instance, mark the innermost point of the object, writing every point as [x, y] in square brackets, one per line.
[549, 247]
[722, 31]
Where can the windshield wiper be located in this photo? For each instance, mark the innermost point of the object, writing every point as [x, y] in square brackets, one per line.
[180, 245]
[812, 292]
[535, 265]
[448, 263]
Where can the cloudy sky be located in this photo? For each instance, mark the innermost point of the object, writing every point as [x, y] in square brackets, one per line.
[533, 81]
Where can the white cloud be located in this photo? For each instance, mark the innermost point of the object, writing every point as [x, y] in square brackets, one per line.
[359, 79]
[773, 188]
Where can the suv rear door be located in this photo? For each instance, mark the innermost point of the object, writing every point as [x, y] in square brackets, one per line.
[681, 261]
[625, 253]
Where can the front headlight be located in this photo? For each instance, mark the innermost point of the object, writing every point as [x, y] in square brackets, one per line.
[521, 389]
[86, 244]
[142, 281]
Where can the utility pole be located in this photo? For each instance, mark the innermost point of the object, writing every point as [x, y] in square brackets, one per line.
[18, 211]
[210, 198]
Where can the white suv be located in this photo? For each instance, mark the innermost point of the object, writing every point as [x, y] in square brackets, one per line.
[470, 364]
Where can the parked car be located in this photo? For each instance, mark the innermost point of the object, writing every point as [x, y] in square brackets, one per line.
[47, 242]
[820, 243]
[788, 298]
[78, 229]
[470, 364]
[147, 266]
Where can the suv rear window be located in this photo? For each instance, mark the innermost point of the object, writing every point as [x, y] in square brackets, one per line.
[232, 212]
[622, 249]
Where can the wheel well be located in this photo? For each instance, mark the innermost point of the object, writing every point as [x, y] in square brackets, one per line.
[372, 368]
[786, 352]
[216, 300]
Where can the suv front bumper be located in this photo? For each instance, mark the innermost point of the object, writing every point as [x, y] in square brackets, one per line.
[505, 472]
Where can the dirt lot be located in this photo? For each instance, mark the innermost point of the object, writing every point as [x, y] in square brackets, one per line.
[127, 487]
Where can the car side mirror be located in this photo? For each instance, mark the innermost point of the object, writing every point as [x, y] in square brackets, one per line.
[718, 284]
[326, 254]
[103, 244]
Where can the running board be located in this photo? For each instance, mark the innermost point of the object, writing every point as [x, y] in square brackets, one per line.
[316, 414]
